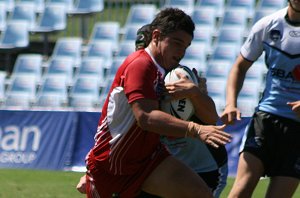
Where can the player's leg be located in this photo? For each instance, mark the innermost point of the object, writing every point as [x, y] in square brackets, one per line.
[173, 178]
[250, 169]
[282, 187]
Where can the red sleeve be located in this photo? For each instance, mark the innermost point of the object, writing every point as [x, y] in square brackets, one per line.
[140, 79]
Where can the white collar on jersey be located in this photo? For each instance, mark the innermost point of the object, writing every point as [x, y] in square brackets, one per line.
[160, 68]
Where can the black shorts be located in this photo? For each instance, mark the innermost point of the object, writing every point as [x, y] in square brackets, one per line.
[276, 142]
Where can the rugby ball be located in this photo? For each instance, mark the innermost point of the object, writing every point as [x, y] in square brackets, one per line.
[182, 108]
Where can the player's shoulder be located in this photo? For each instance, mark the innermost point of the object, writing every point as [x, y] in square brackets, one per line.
[268, 21]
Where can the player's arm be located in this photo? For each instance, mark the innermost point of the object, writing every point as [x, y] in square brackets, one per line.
[149, 118]
[295, 105]
[234, 85]
[204, 106]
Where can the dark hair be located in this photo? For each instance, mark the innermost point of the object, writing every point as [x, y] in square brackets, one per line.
[170, 20]
[143, 37]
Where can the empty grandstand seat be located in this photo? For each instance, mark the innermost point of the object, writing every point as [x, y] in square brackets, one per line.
[251, 89]
[102, 49]
[185, 5]
[28, 64]
[53, 92]
[271, 4]
[217, 5]
[248, 5]
[204, 34]
[70, 47]
[84, 92]
[130, 32]
[260, 13]
[15, 35]
[196, 50]
[60, 66]
[25, 11]
[39, 5]
[216, 87]
[53, 18]
[17, 101]
[235, 16]
[205, 15]
[140, 14]
[225, 51]
[3, 16]
[23, 85]
[246, 106]
[218, 68]
[231, 34]
[199, 65]
[93, 67]
[68, 4]
[108, 30]
[126, 48]
[9, 4]
[87, 7]
[117, 61]
[257, 71]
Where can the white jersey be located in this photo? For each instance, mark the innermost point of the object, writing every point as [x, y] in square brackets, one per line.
[281, 43]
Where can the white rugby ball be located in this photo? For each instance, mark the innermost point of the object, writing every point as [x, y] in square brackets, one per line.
[182, 108]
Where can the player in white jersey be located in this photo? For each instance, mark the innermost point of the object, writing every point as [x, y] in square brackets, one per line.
[271, 145]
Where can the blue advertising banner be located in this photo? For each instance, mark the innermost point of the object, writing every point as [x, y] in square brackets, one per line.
[36, 139]
[233, 148]
[86, 129]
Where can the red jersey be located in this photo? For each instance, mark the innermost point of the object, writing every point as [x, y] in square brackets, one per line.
[124, 154]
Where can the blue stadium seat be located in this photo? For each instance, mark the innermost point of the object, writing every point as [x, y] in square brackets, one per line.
[216, 87]
[217, 5]
[70, 47]
[15, 35]
[235, 16]
[103, 49]
[84, 93]
[186, 5]
[199, 65]
[39, 5]
[225, 51]
[87, 7]
[117, 61]
[53, 18]
[60, 66]
[25, 11]
[260, 13]
[93, 67]
[17, 102]
[218, 68]
[205, 15]
[28, 64]
[204, 34]
[231, 34]
[126, 48]
[9, 4]
[3, 17]
[130, 32]
[53, 92]
[196, 50]
[108, 30]
[271, 4]
[23, 85]
[248, 5]
[68, 4]
[140, 14]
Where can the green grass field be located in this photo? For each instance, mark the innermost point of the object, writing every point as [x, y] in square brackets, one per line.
[58, 184]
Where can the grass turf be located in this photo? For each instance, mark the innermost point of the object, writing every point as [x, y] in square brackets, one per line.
[59, 184]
